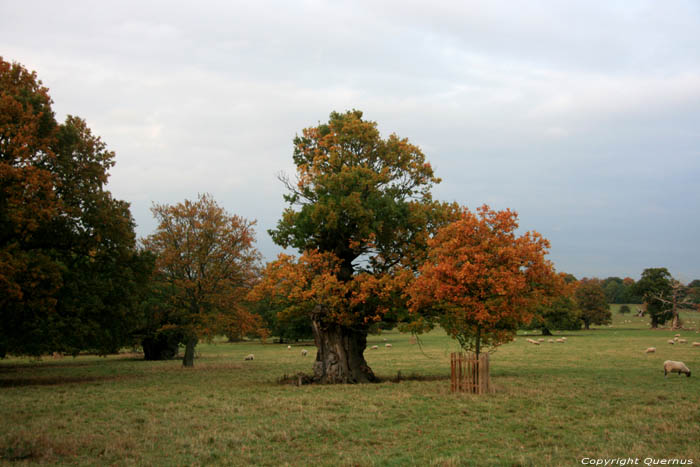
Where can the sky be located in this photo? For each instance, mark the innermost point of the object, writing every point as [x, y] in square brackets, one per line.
[582, 116]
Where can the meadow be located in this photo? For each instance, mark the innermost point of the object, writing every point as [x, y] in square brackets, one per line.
[597, 396]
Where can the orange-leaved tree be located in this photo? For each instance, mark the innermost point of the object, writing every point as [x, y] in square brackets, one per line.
[206, 264]
[363, 204]
[481, 281]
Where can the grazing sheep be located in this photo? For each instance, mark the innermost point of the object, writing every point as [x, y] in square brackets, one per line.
[561, 341]
[650, 350]
[374, 347]
[531, 341]
[682, 341]
[696, 344]
[551, 341]
[564, 339]
[388, 346]
[249, 357]
[675, 339]
[671, 341]
[679, 367]
[304, 352]
[541, 339]
[289, 347]
[678, 335]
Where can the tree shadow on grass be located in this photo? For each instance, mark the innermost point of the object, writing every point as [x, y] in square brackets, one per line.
[56, 380]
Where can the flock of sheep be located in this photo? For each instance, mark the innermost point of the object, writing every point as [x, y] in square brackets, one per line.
[670, 366]
[305, 352]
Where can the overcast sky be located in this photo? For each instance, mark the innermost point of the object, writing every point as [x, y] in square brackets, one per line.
[584, 117]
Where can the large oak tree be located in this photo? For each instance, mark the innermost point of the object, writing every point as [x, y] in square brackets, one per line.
[360, 212]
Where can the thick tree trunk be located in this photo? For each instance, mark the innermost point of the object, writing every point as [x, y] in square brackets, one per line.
[586, 325]
[340, 358]
[546, 332]
[188, 359]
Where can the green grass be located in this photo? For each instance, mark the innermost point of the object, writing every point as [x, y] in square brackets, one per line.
[599, 395]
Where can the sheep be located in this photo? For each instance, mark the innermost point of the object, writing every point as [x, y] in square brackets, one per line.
[696, 344]
[678, 335]
[675, 339]
[561, 341]
[551, 341]
[249, 357]
[671, 341]
[531, 341]
[374, 347]
[388, 346]
[682, 341]
[679, 367]
[541, 339]
[564, 339]
[304, 352]
[289, 347]
[650, 350]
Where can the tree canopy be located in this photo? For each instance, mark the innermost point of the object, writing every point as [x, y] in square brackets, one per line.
[205, 265]
[361, 209]
[70, 273]
[481, 281]
[592, 302]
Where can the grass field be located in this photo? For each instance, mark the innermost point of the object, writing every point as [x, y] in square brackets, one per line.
[597, 396]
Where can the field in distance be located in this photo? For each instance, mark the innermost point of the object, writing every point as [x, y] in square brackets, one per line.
[598, 395]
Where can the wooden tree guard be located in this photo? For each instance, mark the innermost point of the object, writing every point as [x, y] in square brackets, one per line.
[470, 374]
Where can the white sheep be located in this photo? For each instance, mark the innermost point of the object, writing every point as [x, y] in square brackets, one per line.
[551, 341]
[304, 352]
[696, 344]
[388, 346]
[564, 339]
[671, 341]
[561, 341]
[650, 350]
[541, 339]
[682, 341]
[678, 367]
[374, 347]
[678, 335]
[531, 341]
[289, 347]
[249, 357]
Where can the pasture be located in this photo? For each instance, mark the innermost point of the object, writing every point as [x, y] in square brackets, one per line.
[598, 396]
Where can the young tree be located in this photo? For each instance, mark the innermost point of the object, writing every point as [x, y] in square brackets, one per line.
[481, 282]
[363, 203]
[70, 273]
[592, 303]
[205, 265]
[654, 286]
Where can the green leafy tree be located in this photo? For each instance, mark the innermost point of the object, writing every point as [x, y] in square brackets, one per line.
[624, 309]
[70, 274]
[654, 285]
[360, 207]
[592, 303]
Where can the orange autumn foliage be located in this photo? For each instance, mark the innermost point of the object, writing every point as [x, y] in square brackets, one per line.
[310, 285]
[206, 262]
[481, 281]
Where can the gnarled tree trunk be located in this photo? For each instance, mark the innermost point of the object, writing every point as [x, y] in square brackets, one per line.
[340, 358]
